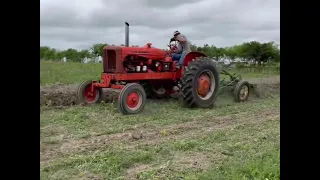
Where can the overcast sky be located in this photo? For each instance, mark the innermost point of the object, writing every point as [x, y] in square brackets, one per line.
[80, 23]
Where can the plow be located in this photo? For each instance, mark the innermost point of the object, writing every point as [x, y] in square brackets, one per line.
[134, 74]
[235, 84]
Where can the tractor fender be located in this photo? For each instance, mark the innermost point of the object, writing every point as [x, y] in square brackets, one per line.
[192, 55]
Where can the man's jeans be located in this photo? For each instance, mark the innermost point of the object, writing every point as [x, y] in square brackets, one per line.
[178, 57]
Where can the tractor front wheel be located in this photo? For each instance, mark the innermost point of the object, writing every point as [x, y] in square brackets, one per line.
[85, 95]
[241, 91]
[132, 99]
[200, 83]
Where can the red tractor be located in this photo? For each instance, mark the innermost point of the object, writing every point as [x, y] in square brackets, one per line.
[147, 71]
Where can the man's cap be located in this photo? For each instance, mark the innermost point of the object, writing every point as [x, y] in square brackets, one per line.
[176, 33]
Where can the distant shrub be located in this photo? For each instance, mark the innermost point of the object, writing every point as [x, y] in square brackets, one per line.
[277, 66]
[240, 65]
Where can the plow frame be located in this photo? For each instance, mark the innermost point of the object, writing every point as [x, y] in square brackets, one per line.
[229, 85]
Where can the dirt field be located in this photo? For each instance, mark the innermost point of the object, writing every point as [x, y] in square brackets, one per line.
[167, 141]
[65, 95]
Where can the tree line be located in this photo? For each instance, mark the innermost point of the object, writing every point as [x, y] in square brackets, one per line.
[246, 52]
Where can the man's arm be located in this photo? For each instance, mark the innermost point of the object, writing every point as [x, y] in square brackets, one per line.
[179, 48]
[181, 38]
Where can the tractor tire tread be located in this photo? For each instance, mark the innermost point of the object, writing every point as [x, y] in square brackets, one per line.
[188, 89]
[80, 93]
[237, 90]
[122, 100]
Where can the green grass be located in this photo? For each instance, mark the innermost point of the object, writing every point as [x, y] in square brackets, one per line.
[243, 159]
[81, 121]
[240, 149]
[70, 73]
[233, 141]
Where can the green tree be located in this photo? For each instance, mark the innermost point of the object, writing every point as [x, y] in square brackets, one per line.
[85, 53]
[254, 50]
[43, 50]
[72, 55]
[217, 53]
[97, 49]
[47, 53]
[230, 52]
[60, 55]
[193, 47]
[261, 52]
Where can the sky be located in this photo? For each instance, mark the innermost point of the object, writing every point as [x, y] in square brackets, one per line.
[80, 23]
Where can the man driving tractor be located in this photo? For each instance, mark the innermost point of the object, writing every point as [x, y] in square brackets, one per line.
[183, 47]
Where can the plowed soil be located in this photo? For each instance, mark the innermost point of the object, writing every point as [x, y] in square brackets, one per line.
[66, 95]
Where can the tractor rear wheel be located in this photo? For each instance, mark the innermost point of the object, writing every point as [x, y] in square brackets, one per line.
[84, 94]
[200, 83]
[132, 99]
[241, 91]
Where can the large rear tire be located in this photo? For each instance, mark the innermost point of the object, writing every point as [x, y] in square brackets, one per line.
[132, 99]
[200, 83]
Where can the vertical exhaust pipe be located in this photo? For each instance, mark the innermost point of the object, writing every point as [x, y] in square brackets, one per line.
[127, 34]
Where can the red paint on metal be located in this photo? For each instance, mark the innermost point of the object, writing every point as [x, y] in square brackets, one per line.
[89, 95]
[115, 59]
[116, 86]
[107, 78]
[192, 55]
[168, 59]
[203, 85]
[133, 100]
[113, 56]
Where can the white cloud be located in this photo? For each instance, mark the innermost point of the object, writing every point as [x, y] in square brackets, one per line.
[80, 23]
